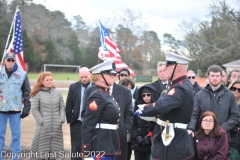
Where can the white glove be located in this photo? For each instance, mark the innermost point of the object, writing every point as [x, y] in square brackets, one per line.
[138, 112]
[89, 158]
[190, 133]
[141, 106]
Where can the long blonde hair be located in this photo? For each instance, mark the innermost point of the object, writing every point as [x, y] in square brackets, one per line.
[94, 77]
[38, 85]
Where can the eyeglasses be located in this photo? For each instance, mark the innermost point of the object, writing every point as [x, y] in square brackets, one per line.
[146, 94]
[191, 77]
[123, 75]
[10, 60]
[234, 89]
[209, 121]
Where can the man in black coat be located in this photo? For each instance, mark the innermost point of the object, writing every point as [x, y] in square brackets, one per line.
[162, 82]
[174, 113]
[192, 77]
[124, 99]
[74, 105]
[215, 97]
[125, 73]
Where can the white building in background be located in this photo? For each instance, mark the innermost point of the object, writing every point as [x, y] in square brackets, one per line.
[232, 65]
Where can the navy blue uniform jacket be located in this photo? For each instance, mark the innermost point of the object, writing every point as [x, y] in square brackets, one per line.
[124, 99]
[100, 108]
[176, 106]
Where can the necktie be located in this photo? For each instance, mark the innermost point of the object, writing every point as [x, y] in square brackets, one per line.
[165, 85]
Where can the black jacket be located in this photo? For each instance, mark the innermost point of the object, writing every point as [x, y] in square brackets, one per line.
[141, 127]
[221, 102]
[176, 106]
[73, 102]
[196, 87]
[235, 136]
[158, 86]
[26, 89]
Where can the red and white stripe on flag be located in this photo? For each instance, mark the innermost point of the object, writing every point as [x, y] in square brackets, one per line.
[109, 51]
[16, 44]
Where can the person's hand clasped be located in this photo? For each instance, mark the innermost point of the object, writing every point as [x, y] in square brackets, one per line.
[147, 140]
[139, 112]
[190, 133]
[138, 139]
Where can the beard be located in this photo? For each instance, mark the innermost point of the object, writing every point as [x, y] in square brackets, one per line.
[214, 83]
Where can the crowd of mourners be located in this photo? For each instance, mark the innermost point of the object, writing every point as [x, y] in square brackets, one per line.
[172, 118]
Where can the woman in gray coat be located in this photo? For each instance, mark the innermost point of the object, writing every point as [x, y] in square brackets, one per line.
[48, 111]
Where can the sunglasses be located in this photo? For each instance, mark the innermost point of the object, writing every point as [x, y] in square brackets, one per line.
[234, 89]
[123, 75]
[111, 74]
[10, 60]
[191, 77]
[146, 94]
[168, 63]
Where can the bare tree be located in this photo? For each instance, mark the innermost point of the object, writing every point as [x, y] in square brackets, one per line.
[217, 41]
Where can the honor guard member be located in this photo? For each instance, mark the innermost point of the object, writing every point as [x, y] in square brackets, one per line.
[174, 111]
[100, 138]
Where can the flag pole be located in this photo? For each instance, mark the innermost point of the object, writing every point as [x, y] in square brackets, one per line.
[4, 52]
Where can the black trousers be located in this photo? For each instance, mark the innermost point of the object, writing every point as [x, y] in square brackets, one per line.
[129, 150]
[76, 143]
[123, 147]
[142, 155]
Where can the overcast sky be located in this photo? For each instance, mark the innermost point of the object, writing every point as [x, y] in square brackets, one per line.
[163, 16]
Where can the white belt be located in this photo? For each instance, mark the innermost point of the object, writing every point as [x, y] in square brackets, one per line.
[176, 125]
[107, 126]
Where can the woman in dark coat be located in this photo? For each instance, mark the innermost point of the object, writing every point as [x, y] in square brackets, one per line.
[142, 127]
[235, 133]
[211, 139]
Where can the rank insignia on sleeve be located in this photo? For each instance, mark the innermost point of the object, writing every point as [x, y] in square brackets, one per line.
[171, 92]
[93, 105]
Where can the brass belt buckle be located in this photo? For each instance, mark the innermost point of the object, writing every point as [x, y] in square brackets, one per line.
[167, 136]
[117, 126]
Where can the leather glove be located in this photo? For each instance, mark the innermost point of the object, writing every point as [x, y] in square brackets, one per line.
[138, 112]
[24, 114]
[138, 139]
[147, 140]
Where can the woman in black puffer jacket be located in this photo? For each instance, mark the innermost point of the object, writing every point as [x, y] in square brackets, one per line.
[142, 128]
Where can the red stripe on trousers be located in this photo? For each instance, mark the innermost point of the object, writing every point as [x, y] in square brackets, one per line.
[98, 157]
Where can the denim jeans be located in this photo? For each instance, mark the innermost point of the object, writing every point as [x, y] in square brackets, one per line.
[15, 125]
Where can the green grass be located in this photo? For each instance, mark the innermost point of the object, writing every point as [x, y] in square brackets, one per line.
[57, 76]
[154, 78]
[70, 76]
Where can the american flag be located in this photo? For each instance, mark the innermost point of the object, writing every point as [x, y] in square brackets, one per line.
[109, 51]
[16, 44]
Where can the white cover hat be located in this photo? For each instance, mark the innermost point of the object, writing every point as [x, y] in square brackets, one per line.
[172, 57]
[105, 67]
